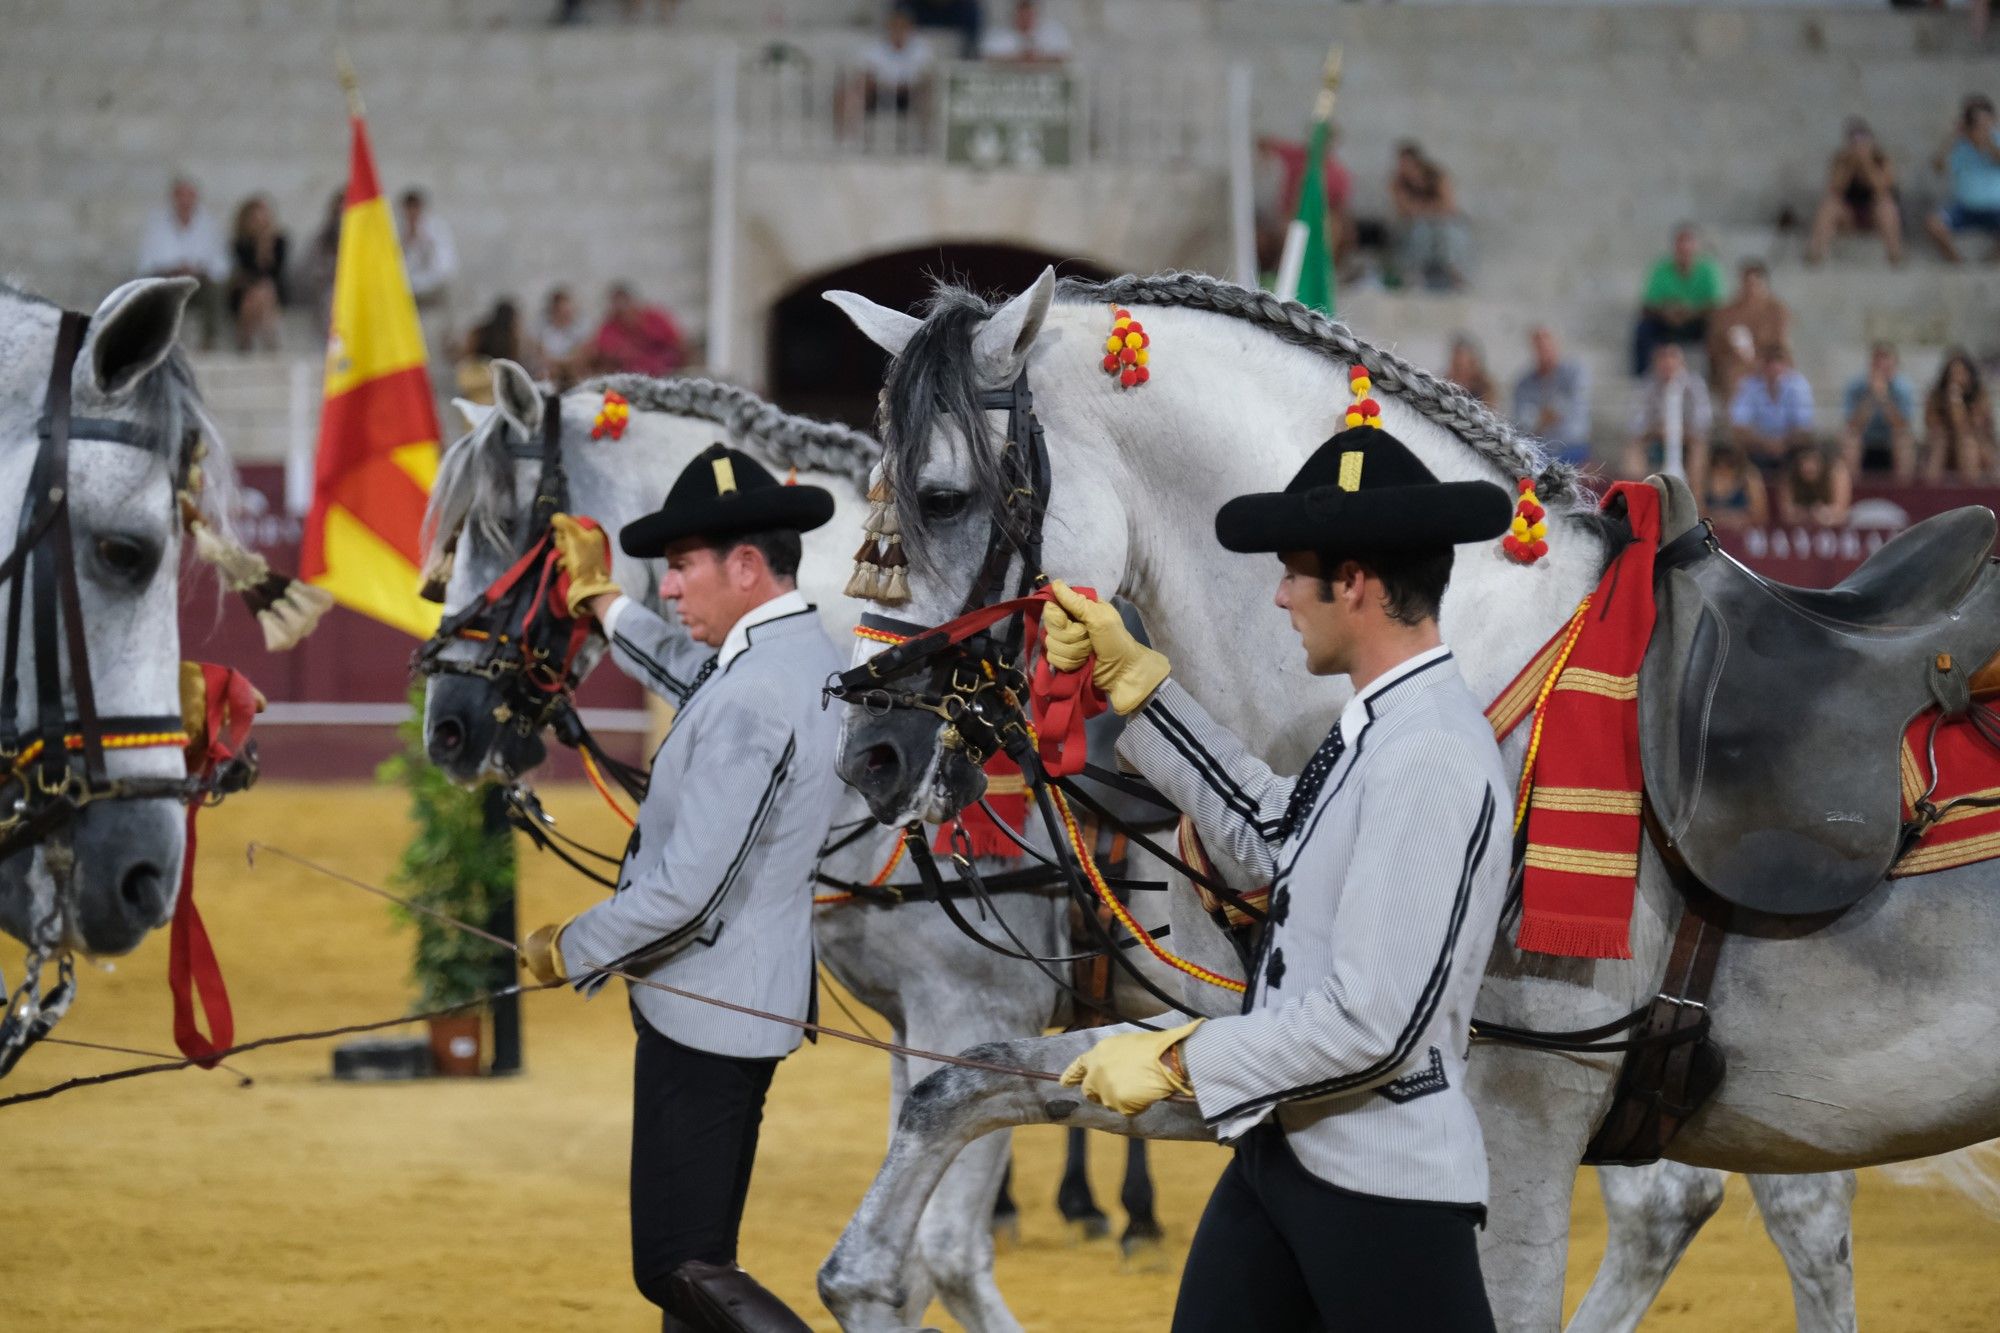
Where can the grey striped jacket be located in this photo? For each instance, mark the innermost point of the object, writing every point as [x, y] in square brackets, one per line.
[1387, 885]
[715, 892]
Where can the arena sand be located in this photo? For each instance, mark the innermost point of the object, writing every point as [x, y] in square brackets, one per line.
[187, 1202]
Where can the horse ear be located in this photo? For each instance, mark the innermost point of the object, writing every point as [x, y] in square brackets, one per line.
[472, 414]
[888, 329]
[514, 393]
[1001, 345]
[134, 330]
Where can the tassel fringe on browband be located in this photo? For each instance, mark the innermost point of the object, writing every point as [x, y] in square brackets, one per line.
[881, 570]
[286, 609]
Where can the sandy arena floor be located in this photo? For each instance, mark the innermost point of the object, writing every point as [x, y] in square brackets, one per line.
[186, 1202]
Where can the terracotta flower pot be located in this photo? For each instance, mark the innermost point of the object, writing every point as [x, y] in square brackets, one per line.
[455, 1042]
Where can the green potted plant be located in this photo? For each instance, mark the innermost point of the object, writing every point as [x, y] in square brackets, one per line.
[453, 865]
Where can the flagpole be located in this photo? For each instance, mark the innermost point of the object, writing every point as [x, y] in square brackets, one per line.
[1291, 263]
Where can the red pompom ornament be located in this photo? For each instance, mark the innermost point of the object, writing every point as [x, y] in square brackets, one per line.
[1526, 539]
[1125, 349]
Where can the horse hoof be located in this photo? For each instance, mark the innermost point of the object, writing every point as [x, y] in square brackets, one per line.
[1006, 1233]
[1082, 1230]
[1144, 1254]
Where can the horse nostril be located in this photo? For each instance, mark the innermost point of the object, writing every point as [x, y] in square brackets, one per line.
[879, 759]
[140, 890]
[447, 736]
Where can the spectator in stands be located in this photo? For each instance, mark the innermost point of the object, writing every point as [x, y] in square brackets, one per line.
[1732, 495]
[565, 343]
[1552, 398]
[964, 17]
[1468, 370]
[1754, 319]
[895, 72]
[1815, 489]
[1672, 421]
[1972, 159]
[1958, 423]
[317, 268]
[1771, 412]
[258, 291]
[1277, 208]
[571, 11]
[497, 337]
[1430, 234]
[1032, 37]
[1860, 195]
[429, 255]
[182, 239]
[1681, 291]
[639, 338]
[1878, 419]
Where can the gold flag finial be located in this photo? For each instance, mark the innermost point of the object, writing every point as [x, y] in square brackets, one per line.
[344, 68]
[1329, 85]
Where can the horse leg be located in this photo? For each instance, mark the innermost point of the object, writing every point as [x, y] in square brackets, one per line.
[861, 1282]
[1142, 1241]
[917, 1285]
[1006, 1214]
[1811, 1221]
[1650, 1213]
[1073, 1197]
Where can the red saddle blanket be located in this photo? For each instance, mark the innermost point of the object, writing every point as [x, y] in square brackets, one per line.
[1967, 765]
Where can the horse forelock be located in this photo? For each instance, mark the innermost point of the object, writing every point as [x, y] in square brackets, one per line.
[475, 484]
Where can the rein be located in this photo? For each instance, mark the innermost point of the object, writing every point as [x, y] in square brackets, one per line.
[56, 766]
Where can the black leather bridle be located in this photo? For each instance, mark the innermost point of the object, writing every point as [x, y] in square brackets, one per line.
[52, 767]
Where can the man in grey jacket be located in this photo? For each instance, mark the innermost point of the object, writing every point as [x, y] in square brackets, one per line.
[715, 891]
[1359, 1175]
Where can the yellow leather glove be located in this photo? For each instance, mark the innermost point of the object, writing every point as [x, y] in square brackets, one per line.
[1074, 627]
[1129, 1072]
[541, 954]
[585, 555]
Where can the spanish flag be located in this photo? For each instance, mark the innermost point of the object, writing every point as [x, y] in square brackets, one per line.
[378, 430]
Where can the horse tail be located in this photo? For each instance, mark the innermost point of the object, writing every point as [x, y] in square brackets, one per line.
[1973, 1172]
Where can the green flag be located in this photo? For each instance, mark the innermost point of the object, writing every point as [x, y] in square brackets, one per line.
[1305, 273]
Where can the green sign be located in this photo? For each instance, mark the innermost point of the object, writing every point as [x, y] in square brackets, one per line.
[997, 116]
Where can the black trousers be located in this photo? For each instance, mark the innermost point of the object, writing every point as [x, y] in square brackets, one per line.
[1281, 1251]
[694, 1137]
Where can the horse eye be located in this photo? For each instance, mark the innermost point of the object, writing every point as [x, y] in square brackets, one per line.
[131, 559]
[941, 506]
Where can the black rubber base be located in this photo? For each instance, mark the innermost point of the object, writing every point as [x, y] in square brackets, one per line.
[377, 1059]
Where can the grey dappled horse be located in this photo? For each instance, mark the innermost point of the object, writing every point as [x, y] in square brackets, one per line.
[939, 990]
[1859, 1041]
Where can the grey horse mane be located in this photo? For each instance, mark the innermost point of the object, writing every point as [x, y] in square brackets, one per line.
[475, 482]
[932, 382]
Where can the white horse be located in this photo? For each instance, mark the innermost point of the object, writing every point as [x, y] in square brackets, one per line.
[938, 989]
[1857, 1042]
[129, 379]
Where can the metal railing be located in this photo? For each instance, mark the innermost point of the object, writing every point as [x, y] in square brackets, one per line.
[796, 103]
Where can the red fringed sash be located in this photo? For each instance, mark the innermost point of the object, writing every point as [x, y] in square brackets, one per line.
[1967, 765]
[1007, 793]
[1582, 786]
[192, 967]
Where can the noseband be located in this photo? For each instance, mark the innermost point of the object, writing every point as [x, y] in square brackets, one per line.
[54, 767]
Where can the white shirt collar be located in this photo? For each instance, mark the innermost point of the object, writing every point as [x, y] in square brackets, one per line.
[738, 638]
[1355, 716]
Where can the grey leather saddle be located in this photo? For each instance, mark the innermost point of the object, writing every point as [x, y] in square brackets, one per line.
[1771, 717]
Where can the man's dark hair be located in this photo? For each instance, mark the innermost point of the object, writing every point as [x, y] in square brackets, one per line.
[1412, 584]
[780, 548]
[414, 196]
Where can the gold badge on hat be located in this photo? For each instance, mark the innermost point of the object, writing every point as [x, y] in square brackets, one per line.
[1350, 470]
[725, 476]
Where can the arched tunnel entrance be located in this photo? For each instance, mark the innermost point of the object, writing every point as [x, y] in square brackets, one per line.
[821, 366]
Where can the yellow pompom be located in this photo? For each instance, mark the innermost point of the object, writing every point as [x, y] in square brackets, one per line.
[1353, 418]
[1124, 323]
[1519, 527]
[1376, 422]
[1360, 386]
[1539, 531]
[1113, 343]
[1143, 354]
[1135, 341]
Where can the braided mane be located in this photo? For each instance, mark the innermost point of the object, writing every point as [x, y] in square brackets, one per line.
[792, 441]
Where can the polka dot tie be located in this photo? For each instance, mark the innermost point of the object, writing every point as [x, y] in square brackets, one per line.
[1305, 793]
[700, 678]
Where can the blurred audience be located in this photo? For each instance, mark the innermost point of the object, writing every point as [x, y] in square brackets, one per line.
[430, 256]
[964, 18]
[895, 72]
[1815, 489]
[316, 269]
[183, 240]
[564, 340]
[571, 11]
[1861, 195]
[1754, 319]
[1971, 158]
[1672, 420]
[497, 337]
[1684, 287]
[258, 291]
[1771, 412]
[1430, 236]
[1278, 206]
[1030, 37]
[1878, 419]
[1552, 398]
[1468, 370]
[638, 338]
[1958, 423]
[1731, 494]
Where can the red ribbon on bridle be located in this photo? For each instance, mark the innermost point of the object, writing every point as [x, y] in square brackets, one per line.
[192, 968]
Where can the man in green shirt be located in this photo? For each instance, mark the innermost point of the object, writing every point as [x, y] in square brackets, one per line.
[1680, 292]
